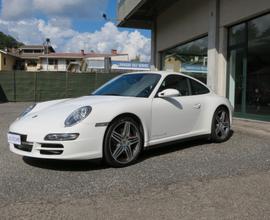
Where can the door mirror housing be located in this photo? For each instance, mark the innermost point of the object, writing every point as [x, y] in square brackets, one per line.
[169, 93]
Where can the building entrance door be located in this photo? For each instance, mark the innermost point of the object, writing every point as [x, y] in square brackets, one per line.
[249, 68]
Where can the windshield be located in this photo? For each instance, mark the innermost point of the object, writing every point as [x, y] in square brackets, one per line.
[135, 85]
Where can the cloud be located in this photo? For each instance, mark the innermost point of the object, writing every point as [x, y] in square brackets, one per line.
[26, 31]
[109, 37]
[83, 9]
[35, 31]
[16, 9]
[65, 39]
[72, 8]
[19, 19]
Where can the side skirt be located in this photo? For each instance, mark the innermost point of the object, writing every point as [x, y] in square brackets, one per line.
[199, 137]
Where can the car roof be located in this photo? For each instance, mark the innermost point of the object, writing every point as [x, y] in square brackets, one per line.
[163, 73]
[153, 72]
[166, 73]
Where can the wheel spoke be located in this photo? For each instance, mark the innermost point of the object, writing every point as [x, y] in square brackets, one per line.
[116, 136]
[128, 152]
[217, 119]
[118, 151]
[226, 124]
[223, 132]
[223, 116]
[133, 140]
[217, 129]
[126, 130]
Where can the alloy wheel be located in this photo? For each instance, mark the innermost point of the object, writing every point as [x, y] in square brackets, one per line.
[125, 142]
[222, 124]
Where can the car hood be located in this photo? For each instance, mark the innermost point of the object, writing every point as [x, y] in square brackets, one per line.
[67, 106]
[55, 112]
[84, 101]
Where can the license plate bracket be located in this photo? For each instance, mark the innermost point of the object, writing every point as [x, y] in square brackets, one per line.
[14, 139]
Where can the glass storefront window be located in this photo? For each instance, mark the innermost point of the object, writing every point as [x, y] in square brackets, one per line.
[258, 66]
[189, 58]
[237, 34]
[249, 69]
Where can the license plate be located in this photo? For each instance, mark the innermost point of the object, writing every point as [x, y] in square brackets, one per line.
[14, 139]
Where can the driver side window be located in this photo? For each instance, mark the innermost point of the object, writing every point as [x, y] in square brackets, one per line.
[177, 82]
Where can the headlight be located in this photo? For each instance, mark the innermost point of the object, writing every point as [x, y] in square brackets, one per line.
[61, 137]
[77, 116]
[26, 111]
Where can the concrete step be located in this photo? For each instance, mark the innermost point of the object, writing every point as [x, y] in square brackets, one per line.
[260, 128]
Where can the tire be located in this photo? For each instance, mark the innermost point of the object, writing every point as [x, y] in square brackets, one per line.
[221, 128]
[123, 142]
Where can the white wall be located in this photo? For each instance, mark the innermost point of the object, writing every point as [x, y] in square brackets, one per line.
[183, 21]
[123, 57]
[235, 11]
[46, 67]
[189, 19]
[61, 66]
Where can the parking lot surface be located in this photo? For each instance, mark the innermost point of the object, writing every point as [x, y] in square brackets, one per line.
[191, 180]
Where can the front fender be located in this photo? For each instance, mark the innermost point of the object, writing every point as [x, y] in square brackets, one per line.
[140, 108]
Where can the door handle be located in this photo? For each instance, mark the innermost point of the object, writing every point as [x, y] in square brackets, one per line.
[197, 106]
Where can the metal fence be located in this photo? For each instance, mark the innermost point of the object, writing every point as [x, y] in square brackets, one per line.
[21, 86]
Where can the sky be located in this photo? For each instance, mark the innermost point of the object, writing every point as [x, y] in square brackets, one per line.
[72, 25]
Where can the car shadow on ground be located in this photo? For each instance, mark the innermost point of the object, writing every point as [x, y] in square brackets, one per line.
[66, 165]
[91, 165]
[176, 146]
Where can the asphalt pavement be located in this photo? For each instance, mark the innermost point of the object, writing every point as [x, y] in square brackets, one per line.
[191, 180]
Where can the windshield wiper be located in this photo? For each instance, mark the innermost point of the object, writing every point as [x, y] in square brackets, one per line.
[112, 94]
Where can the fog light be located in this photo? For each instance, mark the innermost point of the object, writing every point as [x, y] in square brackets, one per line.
[61, 137]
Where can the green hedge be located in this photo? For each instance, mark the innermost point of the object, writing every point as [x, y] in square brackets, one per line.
[22, 86]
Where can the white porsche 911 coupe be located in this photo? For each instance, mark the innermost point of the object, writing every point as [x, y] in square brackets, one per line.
[117, 121]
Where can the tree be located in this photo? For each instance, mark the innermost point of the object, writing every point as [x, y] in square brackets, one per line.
[7, 41]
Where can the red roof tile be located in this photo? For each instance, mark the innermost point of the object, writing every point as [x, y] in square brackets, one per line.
[77, 55]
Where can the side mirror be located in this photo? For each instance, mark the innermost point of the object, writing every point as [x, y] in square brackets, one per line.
[168, 93]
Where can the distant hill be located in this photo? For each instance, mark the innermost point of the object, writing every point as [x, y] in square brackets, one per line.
[7, 41]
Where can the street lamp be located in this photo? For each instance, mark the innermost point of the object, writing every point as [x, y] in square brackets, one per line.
[106, 18]
[46, 49]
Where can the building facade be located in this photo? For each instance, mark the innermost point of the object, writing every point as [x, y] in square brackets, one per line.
[40, 58]
[225, 43]
[7, 61]
[77, 62]
[29, 56]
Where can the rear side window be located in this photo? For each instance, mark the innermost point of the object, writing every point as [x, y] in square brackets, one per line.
[198, 88]
[177, 82]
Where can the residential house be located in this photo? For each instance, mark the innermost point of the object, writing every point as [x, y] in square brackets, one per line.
[30, 56]
[8, 61]
[76, 62]
[59, 61]
[36, 58]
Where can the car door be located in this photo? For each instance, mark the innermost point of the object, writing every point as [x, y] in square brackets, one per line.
[174, 116]
[199, 94]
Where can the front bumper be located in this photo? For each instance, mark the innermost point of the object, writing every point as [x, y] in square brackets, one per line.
[88, 145]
